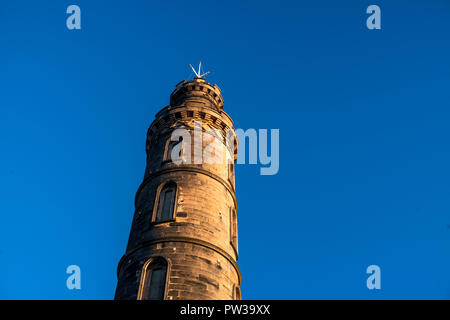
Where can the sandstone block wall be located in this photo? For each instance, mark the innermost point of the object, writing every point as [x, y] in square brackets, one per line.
[197, 242]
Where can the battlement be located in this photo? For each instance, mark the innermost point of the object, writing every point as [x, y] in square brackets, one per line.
[197, 92]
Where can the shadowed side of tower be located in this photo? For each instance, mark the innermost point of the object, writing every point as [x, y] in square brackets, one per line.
[183, 239]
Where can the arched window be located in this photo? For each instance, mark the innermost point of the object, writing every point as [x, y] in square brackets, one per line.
[231, 173]
[153, 282]
[165, 206]
[236, 292]
[233, 230]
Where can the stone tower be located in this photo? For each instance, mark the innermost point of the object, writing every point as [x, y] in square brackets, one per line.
[183, 240]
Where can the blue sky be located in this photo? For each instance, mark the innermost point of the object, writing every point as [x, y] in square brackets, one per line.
[364, 139]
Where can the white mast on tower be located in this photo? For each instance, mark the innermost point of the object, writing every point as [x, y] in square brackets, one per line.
[198, 73]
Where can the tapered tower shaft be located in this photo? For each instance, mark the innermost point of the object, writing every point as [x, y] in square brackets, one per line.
[183, 239]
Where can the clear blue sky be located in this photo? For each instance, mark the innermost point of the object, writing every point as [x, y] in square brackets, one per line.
[364, 139]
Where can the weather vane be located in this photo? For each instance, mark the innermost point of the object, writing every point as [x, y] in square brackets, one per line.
[198, 73]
